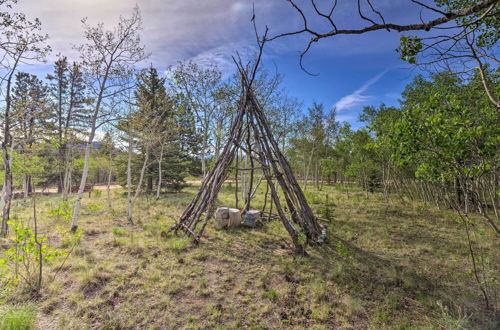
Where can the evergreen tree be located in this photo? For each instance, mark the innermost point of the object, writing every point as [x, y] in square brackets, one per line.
[67, 88]
[30, 111]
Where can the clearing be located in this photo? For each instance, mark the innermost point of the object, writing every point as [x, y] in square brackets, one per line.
[399, 266]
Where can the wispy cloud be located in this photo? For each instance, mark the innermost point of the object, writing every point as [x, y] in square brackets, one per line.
[173, 30]
[358, 96]
[176, 30]
[222, 56]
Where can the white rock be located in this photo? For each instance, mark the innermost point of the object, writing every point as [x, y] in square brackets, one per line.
[234, 217]
[221, 217]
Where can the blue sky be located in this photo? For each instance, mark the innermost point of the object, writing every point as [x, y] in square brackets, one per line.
[354, 71]
[347, 82]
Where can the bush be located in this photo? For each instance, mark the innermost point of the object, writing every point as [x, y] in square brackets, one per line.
[22, 260]
[97, 193]
[326, 212]
[94, 207]
[62, 211]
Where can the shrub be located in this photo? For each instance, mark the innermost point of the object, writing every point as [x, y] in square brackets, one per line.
[97, 193]
[63, 211]
[326, 212]
[24, 258]
[94, 207]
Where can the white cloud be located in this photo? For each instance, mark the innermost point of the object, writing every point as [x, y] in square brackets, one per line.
[174, 30]
[357, 97]
[222, 55]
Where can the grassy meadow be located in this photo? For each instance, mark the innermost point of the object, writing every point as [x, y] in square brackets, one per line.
[399, 266]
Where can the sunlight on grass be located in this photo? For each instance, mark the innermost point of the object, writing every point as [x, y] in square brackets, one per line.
[378, 268]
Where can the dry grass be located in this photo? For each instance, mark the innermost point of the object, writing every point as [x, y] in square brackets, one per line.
[402, 267]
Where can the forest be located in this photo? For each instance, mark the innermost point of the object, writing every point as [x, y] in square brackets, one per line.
[116, 171]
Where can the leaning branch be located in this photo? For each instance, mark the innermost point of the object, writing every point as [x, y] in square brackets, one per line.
[436, 23]
[425, 26]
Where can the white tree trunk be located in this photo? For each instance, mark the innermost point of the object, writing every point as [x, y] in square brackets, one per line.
[203, 159]
[158, 186]
[307, 169]
[244, 181]
[85, 173]
[109, 179]
[139, 186]
[67, 175]
[204, 150]
[4, 188]
[67, 183]
[83, 182]
[25, 186]
[129, 181]
[2, 197]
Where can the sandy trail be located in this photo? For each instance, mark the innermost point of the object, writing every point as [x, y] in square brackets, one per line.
[53, 190]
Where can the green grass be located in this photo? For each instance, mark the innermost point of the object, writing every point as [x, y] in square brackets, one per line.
[401, 266]
[17, 317]
[117, 231]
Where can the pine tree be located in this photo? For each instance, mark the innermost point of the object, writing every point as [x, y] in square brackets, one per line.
[68, 91]
[30, 110]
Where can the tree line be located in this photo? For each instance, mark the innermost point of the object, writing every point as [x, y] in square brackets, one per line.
[440, 145]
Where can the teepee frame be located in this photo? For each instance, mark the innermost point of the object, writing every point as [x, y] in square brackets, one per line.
[250, 119]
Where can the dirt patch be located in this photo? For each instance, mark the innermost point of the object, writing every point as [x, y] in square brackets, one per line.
[92, 233]
[54, 240]
[113, 186]
[5, 244]
[94, 285]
